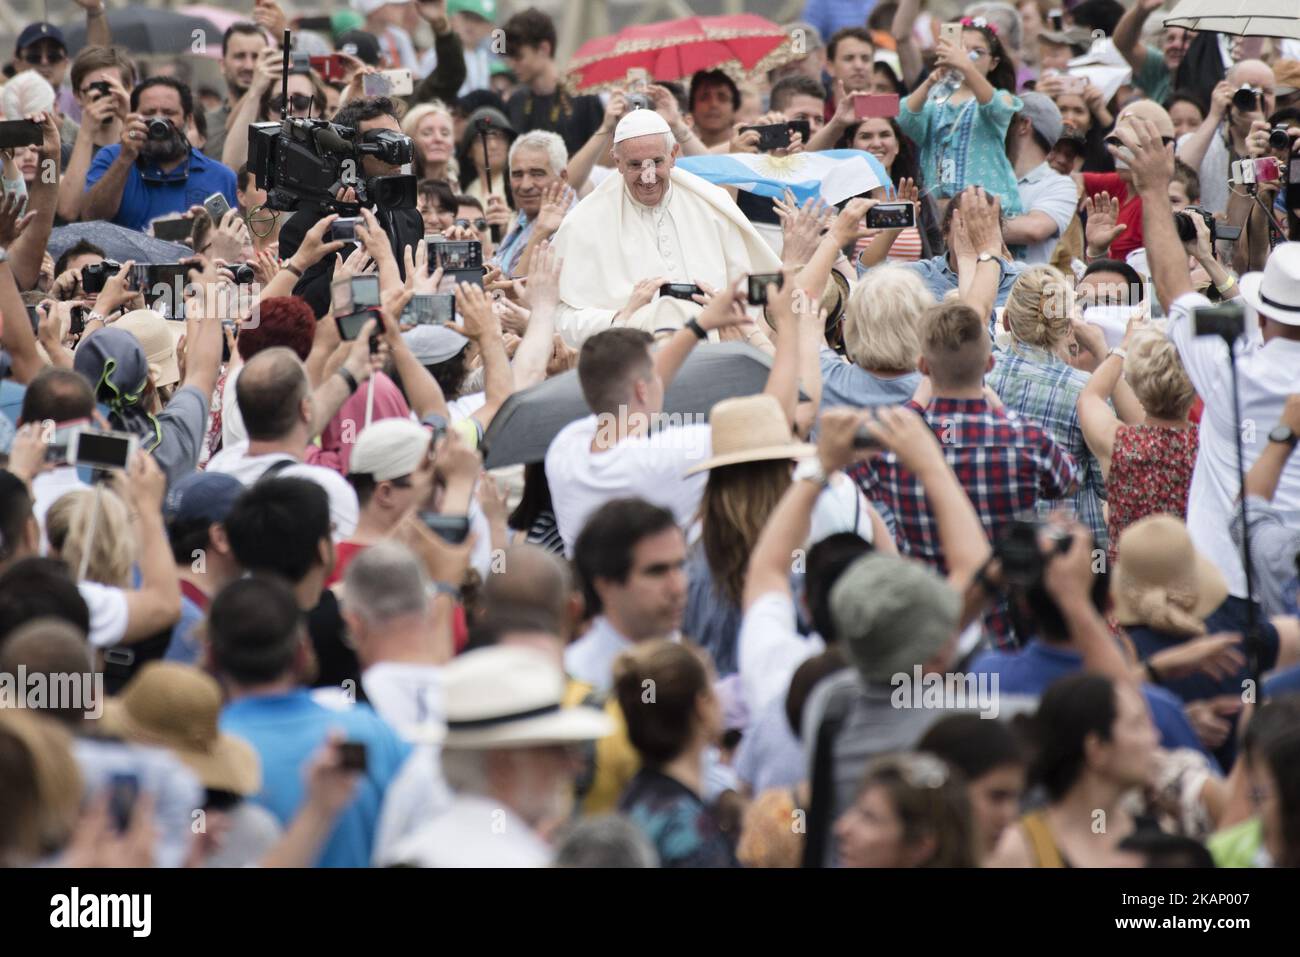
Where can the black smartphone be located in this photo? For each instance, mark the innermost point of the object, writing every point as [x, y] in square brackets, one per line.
[20, 133]
[458, 256]
[94, 275]
[891, 216]
[123, 792]
[436, 309]
[758, 284]
[351, 324]
[1226, 320]
[352, 756]
[772, 136]
[802, 127]
[78, 324]
[450, 528]
[457, 276]
[863, 439]
[34, 316]
[163, 286]
[176, 229]
[680, 290]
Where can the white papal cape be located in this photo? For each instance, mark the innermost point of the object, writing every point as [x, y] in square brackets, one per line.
[609, 242]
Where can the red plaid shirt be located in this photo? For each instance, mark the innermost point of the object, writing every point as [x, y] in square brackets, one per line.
[1005, 464]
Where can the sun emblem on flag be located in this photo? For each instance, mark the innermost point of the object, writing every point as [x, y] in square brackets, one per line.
[780, 167]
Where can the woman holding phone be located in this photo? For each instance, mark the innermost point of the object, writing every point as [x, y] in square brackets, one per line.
[883, 138]
[961, 112]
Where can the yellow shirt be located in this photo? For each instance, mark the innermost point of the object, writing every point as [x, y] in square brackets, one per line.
[612, 763]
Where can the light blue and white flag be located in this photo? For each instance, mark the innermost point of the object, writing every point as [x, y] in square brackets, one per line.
[833, 175]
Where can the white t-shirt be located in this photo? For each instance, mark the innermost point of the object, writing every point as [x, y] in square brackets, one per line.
[771, 650]
[108, 613]
[48, 488]
[651, 467]
[344, 511]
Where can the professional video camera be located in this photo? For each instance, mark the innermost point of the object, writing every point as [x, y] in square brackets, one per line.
[297, 160]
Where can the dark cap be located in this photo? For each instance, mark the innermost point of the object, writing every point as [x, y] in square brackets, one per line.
[201, 497]
[360, 44]
[35, 32]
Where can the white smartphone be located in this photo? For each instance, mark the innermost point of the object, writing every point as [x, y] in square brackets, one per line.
[101, 450]
[217, 206]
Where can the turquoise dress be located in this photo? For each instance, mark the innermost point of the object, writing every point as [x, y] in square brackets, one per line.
[966, 145]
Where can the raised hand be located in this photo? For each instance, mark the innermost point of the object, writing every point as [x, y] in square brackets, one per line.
[11, 223]
[314, 247]
[723, 308]
[543, 289]
[1102, 227]
[555, 204]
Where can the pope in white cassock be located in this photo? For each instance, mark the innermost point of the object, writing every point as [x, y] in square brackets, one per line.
[652, 221]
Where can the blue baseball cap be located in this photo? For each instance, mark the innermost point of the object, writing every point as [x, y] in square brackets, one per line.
[201, 497]
[35, 32]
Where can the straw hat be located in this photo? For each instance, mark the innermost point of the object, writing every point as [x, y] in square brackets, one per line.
[176, 707]
[1161, 581]
[158, 337]
[751, 428]
[511, 697]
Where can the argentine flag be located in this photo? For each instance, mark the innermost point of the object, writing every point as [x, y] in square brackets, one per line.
[833, 175]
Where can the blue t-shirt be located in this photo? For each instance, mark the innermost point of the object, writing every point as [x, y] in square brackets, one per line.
[184, 646]
[1033, 668]
[287, 730]
[150, 193]
[1286, 681]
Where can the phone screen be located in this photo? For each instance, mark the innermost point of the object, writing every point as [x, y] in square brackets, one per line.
[365, 291]
[103, 450]
[350, 325]
[19, 133]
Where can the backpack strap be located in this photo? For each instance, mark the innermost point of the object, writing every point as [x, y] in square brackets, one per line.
[1041, 843]
[275, 468]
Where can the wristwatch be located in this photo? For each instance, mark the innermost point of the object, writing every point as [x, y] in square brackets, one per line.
[695, 327]
[1117, 351]
[1283, 435]
[810, 470]
[986, 258]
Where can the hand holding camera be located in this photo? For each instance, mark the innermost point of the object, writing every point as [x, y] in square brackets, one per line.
[134, 134]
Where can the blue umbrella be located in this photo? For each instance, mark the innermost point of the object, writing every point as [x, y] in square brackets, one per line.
[117, 242]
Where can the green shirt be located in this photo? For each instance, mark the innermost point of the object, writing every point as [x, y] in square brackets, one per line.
[1154, 77]
[1237, 846]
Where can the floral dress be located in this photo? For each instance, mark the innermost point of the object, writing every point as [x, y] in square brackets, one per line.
[1150, 473]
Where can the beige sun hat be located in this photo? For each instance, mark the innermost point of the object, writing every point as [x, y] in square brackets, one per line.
[751, 428]
[158, 338]
[1161, 581]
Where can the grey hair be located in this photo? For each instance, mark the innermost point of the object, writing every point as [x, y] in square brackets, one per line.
[1004, 16]
[384, 582]
[609, 840]
[552, 144]
[465, 770]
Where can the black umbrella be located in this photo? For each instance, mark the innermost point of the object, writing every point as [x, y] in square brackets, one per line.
[149, 30]
[525, 425]
[117, 242]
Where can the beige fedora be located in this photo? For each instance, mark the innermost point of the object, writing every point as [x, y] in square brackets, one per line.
[512, 697]
[176, 706]
[750, 428]
[1161, 581]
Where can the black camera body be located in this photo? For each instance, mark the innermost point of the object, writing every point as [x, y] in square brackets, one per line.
[1246, 99]
[95, 275]
[1187, 228]
[1018, 552]
[1226, 320]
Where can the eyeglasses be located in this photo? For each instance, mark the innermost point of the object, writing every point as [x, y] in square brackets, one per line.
[1118, 143]
[50, 56]
[298, 102]
[479, 224]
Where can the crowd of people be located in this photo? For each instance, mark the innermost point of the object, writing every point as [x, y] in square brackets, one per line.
[963, 570]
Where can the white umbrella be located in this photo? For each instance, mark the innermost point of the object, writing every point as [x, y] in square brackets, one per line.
[1243, 18]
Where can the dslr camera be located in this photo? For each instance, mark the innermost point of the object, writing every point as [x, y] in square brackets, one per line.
[1187, 228]
[1247, 98]
[297, 160]
[1018, 552]
[160, 129]
[94, 275]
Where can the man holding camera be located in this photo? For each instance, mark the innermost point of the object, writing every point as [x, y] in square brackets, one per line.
[1244, 96]
[1265, 370]
[154, 171]
[404, 227]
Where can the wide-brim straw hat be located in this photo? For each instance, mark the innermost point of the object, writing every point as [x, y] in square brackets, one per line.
[751, 428]
[1161, 581]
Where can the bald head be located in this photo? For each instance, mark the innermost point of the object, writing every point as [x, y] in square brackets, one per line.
[271, 389]
[532, 579]
[1257, 75]
[1148, 110]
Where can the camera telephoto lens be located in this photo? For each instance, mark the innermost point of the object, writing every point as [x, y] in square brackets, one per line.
[1245, 100]
[159, 129]
[1279, 138]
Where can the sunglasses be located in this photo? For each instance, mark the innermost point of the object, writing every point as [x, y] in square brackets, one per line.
[480, 224]
[44, 56]
[1116, 142]
[297, 102]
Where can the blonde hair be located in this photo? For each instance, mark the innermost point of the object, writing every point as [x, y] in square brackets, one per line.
[1157, 377]
[1040, 307]
[883, 318]
[43, 786]
[411, 122]
[112, 548]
